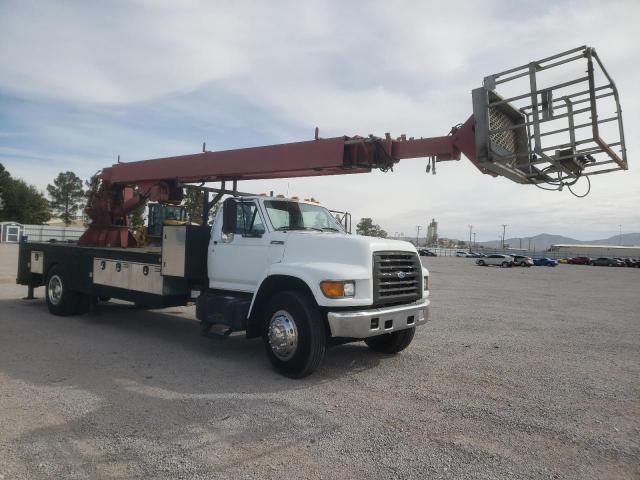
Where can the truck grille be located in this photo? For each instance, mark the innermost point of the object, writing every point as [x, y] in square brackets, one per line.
[397, 277]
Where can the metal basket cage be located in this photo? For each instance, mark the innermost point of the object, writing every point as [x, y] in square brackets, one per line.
[550, 133]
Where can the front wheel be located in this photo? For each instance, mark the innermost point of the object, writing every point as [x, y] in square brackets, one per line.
[294, 334]
[60, 299]
[504, 264]
[481, 263]
[391, 342]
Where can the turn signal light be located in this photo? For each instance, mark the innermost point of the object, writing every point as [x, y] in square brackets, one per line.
[333, 289]
[425, 283]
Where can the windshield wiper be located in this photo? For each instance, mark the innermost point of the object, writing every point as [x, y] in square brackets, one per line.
[284, 229]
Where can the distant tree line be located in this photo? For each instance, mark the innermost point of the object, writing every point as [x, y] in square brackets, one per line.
[67, 198]
[20, 202]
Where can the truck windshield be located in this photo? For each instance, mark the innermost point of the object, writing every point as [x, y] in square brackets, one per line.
[287, 215]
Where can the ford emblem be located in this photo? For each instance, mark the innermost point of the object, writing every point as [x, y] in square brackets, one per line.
[401, 275]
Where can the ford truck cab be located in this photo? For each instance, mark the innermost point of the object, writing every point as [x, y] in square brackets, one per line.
[287, 271]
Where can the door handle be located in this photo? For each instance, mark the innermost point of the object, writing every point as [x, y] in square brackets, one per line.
[277, 242]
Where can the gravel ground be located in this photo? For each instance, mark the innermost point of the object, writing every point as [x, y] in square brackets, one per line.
[522, 373]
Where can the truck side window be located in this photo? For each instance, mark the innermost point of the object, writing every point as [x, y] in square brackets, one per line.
[249, 222]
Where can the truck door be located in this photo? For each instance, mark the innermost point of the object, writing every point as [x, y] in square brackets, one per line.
[238, 260]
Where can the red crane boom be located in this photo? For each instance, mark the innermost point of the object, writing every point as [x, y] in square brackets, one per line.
[515, 137]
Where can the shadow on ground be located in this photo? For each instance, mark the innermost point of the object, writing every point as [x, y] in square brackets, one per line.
[141, 392]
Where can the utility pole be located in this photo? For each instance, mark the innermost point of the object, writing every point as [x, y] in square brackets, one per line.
[620, 238]
[418, 234]
[470, 233]
[475, 245]
[504, 230]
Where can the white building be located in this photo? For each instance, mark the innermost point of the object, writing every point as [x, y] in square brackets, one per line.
[10, 232]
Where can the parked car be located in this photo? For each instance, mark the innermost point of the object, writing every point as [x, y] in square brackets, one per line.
[501, 260]
[425, 252]
[579, 261]
[628, 262]
[476, 255]
[607, 262]
[460, 253]
[522, 261]
[545, 262]
[564, 261]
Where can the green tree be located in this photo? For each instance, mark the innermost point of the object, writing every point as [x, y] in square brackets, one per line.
[66, 195]
[32, 205]
[193, 204]
[136, 216]
[20, 202]
[5, 182]
[370, 229]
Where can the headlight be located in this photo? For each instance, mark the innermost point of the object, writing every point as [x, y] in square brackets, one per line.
[341, 289]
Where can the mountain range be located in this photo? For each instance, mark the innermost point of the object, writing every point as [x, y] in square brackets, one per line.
[545, 240]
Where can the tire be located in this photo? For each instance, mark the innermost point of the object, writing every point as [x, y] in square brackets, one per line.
[391, 343]
[481, 263]
[60, 300]
[504, 264]
[609, 264]
[299, 351]
[593, 264]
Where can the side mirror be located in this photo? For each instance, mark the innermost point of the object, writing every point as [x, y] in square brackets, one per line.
[229, 216]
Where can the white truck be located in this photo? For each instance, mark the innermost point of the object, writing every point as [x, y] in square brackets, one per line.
[285, 270]
[280, 269]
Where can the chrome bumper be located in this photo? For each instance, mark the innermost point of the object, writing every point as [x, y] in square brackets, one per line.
[378, 321]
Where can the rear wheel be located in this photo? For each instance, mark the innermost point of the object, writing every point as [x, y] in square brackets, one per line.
[60, 299]
[391, 342]
[294, 334]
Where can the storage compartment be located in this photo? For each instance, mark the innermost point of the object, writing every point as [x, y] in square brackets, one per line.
[113, 273]
[174, 243]
[138, 277]
[146, 278]
[37, 262]
[184, 251]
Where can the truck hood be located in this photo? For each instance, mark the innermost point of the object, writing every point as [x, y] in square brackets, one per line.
[337, 248]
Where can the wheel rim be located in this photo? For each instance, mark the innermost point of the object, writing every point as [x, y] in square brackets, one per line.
[283, 335]
[55, 289]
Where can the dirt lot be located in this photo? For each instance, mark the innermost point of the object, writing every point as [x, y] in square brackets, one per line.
[522, 373]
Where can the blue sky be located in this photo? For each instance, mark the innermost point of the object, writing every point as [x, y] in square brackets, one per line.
[84, 82]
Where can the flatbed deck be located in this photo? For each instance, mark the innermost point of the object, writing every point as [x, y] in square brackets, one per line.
[132, 274]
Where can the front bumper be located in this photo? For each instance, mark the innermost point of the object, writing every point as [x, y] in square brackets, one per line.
[363, 324]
